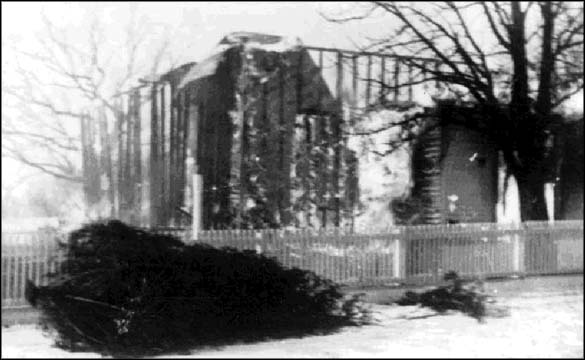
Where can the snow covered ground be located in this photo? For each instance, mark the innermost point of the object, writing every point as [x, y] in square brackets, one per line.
[543, 323]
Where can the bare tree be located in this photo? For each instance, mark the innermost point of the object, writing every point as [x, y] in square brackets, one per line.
[53, 86]
[518, 62]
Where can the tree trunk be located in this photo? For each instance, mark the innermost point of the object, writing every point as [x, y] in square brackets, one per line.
[532, 201]
[543, 102]
[520, 101]
[525, 127]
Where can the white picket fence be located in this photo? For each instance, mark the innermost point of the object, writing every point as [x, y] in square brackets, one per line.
[415, 254]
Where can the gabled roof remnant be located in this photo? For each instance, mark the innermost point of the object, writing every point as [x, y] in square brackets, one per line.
[266, 42]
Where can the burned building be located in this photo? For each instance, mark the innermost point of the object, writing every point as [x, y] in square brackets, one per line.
[260, 126]
[255, 120]
[267, 136]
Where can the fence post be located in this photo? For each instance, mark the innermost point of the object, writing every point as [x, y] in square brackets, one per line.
[197, 205]
[517, 253]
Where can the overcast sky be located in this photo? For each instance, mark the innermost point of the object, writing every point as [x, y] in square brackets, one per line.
[196, 26]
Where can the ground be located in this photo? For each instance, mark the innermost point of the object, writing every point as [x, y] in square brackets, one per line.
[545, 321]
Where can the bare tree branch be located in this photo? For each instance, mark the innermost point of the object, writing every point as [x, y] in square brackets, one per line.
[55, 84]
[505, 43]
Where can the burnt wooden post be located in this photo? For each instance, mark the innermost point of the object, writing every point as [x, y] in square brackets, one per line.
[350, 190]
[354, 89]
[181, 100]
[306, 179]
[369, 81]
[300, 82]
[115, 160]
[174, 150]
[121, 161]
[265, 147]
[382, 78]
[185, 126]
[154, 170]
[164, 204]
[281, 143]
[337, 124]
[172, 153]
[197, 185]
[396, 79]
[321, 158]
[244, 145]
[321, 166]
[128, 163]
[319, 91]
[237, 171]
[410, 82]
[137, 157]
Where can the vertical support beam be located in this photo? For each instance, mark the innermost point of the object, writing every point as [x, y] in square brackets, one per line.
[352, 120]
[244, 150]
[396, 79]
[137, 157]
[338, 139]
[184, 142]
[321, 166]
[173, 153]
[410, 82]
[193, 142]
[339, 82]
[121, 162]
[319, 91]
[306, 179]
[282, 141]
[266, 151]
[176, 101]
[382, 78]
[116, 159]
[154, 170]
[237, 168]
[354, 89]
[217, 193]
[300, 82]
[128, 177]
[102, 166]
[179, 144]
[369, 81]
[164, 203]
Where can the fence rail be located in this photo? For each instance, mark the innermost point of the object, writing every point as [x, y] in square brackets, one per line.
[414, 254]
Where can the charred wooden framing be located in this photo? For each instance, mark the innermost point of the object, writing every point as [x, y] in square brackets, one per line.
[245, 150]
